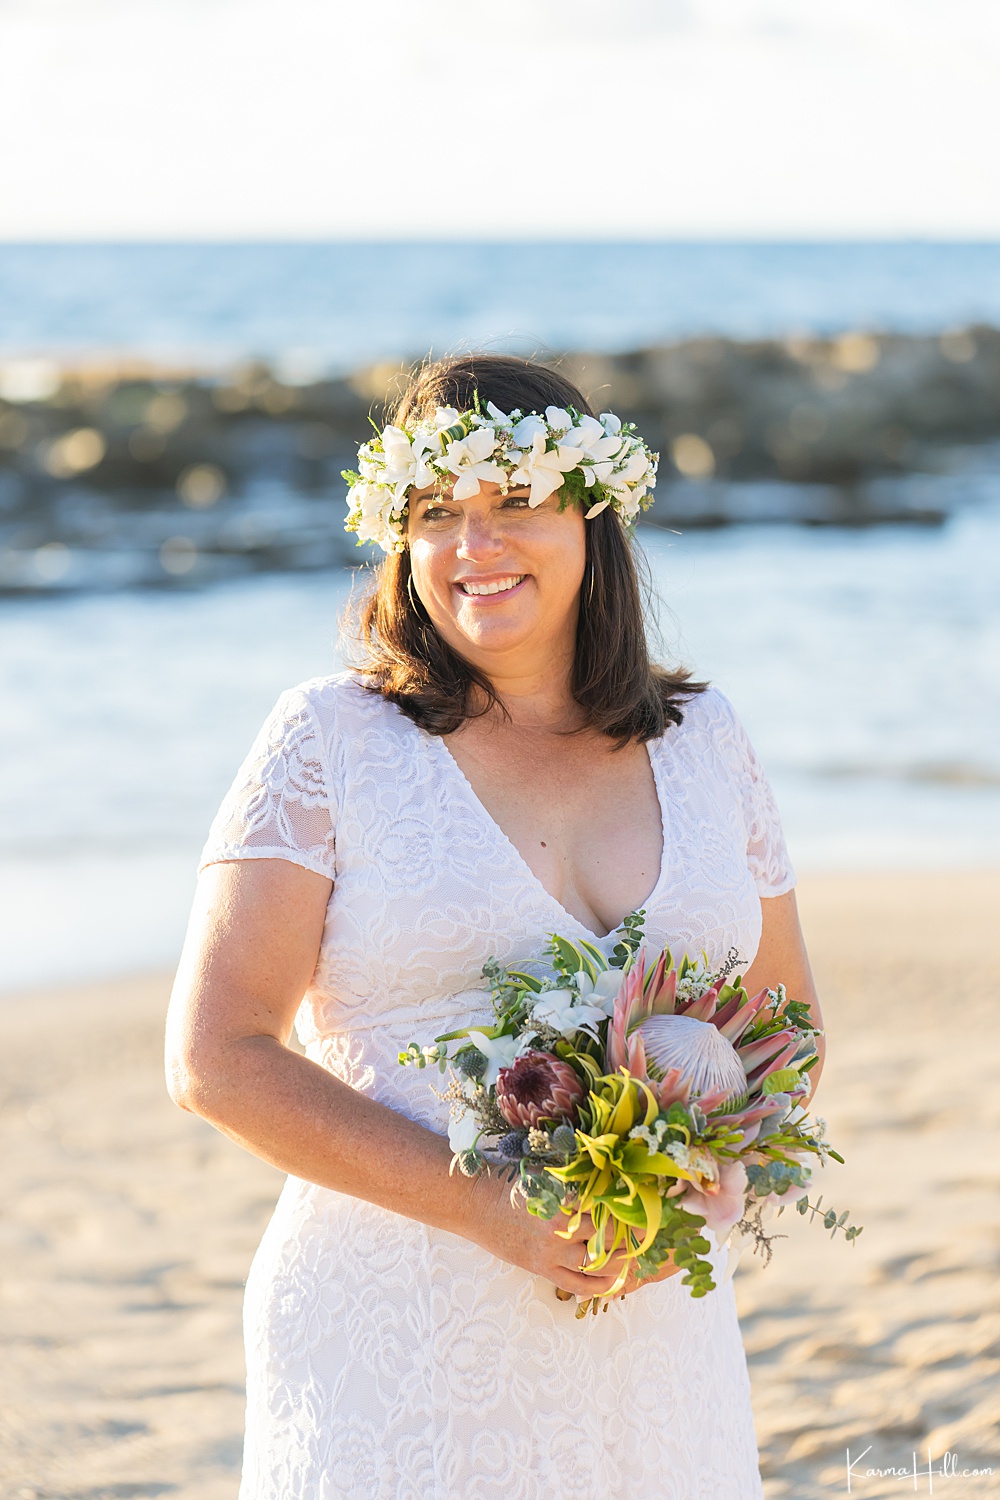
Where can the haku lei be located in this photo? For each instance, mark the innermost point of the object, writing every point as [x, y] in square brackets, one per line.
[598, 462]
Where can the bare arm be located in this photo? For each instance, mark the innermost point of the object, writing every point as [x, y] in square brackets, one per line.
[250, 952]
[782, 958]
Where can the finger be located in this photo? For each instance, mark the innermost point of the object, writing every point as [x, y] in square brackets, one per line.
[583, 1232]
[580, 1285]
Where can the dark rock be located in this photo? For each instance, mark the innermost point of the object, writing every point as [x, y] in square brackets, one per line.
[141, 476]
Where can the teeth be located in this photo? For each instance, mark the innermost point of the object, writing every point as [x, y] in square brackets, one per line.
[493, 588]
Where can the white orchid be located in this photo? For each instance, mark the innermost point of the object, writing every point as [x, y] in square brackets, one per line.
[445, 416]
[598, 448]
[370, 502]
[565, 1012]
[602, 991]
[558, 419]
[634, 467]
[544, 471]
[471, 459]
[499, 1051]
[499, 418]
[463, 1133]
[524, 432]
[405, 464]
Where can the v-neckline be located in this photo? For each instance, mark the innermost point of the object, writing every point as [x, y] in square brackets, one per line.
[518, 858]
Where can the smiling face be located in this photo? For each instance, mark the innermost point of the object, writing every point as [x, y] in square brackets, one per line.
[500, 581]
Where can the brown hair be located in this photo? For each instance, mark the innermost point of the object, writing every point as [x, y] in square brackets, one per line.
[622, 693]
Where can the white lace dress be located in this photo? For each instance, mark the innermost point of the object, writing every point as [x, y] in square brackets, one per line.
[390, 1361]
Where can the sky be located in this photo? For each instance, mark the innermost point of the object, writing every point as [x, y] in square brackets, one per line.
[445, 119]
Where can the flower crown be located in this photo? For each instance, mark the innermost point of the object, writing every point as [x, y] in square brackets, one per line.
[599, 462]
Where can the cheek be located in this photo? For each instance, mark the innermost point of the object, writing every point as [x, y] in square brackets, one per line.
[428, 567]
[564, 559]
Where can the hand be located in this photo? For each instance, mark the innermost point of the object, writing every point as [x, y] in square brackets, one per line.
[633, 1284]
[509, 1232]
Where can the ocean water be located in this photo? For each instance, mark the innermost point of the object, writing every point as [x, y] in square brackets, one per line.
[313, 307]
[865, 664]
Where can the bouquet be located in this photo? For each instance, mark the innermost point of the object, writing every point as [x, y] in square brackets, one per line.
[658, 1098]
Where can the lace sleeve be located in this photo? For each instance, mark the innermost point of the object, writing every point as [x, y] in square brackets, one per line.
[279, 805]
[767, 853]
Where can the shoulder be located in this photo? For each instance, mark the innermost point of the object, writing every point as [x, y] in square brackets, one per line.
[708, 715]
[352, 721]
[711, 739]
[339, 697]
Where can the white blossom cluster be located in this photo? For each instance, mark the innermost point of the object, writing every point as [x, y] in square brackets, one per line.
[458, 450]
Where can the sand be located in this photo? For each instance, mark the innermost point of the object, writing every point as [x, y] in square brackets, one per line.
[128, 1227]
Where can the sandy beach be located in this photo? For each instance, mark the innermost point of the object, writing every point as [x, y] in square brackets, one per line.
[128, 1227]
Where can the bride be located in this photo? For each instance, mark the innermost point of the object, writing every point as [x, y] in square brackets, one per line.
[505, 762]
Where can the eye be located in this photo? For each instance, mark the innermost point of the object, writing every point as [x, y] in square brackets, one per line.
[436, 513]
[516, 502]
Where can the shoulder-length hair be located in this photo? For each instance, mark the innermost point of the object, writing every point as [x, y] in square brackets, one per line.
[622, 693]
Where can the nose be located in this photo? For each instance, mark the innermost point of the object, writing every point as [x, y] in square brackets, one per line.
[480, 540]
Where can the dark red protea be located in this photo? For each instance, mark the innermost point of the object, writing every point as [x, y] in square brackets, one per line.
[538, 1087]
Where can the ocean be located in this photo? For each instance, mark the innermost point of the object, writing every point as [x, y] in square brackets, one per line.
[866, 664]
[317, 307]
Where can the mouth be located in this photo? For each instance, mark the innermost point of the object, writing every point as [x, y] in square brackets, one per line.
[489, 588]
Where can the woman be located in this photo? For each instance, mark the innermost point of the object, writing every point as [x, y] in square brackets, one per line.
[507, 764]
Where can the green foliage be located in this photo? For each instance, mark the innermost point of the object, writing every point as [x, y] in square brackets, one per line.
[782, 1081]
[543, 1195]
[624, 951]
[680, 1237]
[775, 1177]
[836, 1223]
[567, 959]
[425, 1057]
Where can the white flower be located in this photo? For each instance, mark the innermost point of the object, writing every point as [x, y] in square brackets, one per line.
[499, 418]
[499, 1051]
[471, 459]
[565, 1013]
[597, 448]
[651, 1138]
[603, 991]
[525, 432]
[636, 466]
[463, 1133]
[543, 471]
[371, 503]
[558, 420]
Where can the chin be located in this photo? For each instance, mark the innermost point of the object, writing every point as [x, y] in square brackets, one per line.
[493, 634]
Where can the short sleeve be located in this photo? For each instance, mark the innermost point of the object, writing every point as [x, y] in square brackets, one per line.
[767, 853]
[279, 806]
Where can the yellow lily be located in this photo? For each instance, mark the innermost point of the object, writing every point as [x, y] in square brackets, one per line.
[617, 1178]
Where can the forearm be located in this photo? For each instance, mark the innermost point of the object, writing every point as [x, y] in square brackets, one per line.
[782, 959]
[302, 1119]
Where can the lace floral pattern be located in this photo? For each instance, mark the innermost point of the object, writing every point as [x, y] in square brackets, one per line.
[389, 1359]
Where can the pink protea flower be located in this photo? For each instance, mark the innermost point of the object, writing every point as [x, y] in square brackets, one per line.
[538, 1087]
[641, 995]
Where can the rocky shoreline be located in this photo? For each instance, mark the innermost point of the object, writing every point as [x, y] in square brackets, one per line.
[119, 474]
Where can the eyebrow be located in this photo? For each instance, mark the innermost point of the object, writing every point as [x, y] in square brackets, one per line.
[434, 498]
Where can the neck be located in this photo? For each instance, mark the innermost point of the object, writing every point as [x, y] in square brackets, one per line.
[535, 697]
